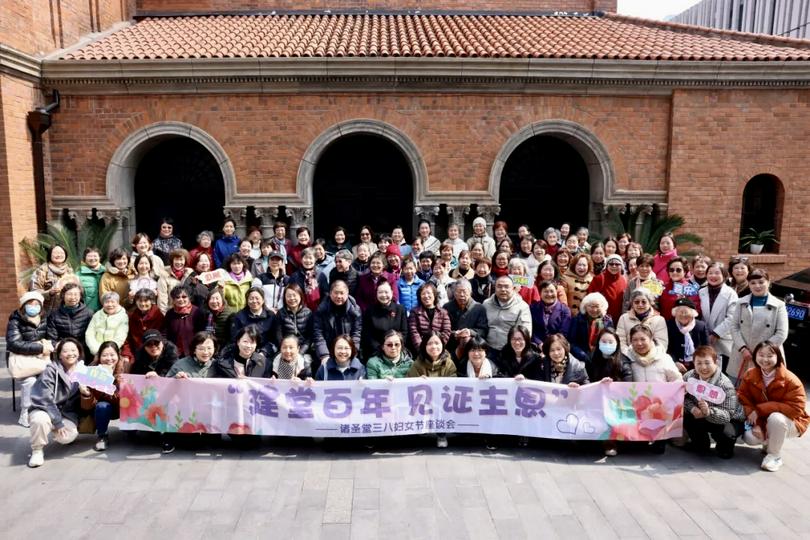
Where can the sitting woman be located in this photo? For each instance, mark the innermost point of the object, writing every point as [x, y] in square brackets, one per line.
[685, 334]
[550, 316]
[50, 277]
[255, 314]
[475, 363]
[236, 285]
[71, 318]
[111, 323]
[393, 360]
[104, 407]
[775, 404]
[144, 278]
[202, 351]
[519, 358]
[724, 421]
[586, 326]
[27, 337]
[55, 402]
[178, 273]
[241, 359]
[342, 364]
[289, 363]
[559, 366]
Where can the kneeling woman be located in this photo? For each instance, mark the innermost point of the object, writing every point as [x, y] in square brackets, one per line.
[559, 365]
[55, 402]
[203, 348]
[774, 401]
[104, 407]
[241, 359]
[290, 364]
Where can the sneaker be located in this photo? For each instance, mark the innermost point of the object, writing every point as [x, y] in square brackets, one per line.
[23, 421]
[101, 444]
[37, 458]
[771, 463]
[611, 452]
[167, 448]
[441, 442]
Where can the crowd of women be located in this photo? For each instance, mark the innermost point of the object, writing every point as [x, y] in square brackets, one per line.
[553, 308]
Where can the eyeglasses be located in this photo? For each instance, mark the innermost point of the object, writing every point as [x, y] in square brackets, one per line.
[393, 345]
[675, 270]
[614, 264]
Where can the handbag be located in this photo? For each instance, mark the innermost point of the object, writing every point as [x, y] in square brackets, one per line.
[23, 366]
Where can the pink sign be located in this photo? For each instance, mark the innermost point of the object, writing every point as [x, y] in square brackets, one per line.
[705, 391]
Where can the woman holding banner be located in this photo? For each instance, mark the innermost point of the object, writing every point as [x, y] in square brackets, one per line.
[433, 361]
[393, 361]
[203, 349]
[343, 364]
[290, 363]
[101, 406]
[242, 358]
[608, 364]
[559, 366]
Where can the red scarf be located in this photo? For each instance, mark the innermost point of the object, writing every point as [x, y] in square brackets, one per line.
[184, 310]
[178, 272]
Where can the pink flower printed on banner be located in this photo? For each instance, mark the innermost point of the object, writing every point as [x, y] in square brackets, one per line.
[155, 411]
[129, 402]
[189, 427]
[239, 429]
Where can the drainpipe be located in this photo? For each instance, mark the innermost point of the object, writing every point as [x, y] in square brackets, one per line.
[39, 120]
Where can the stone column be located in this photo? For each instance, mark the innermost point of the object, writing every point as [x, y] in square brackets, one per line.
[456, 213]
[267, 216]
[238, 214]
[488, 212]
[81, 217]
[426, 212]
[301, 217]
[121, 218]
[644, 213]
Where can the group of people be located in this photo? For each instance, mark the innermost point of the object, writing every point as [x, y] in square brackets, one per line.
[554, 308]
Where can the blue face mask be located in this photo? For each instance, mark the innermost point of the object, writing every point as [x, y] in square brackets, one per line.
[607, 349]
[32, 310]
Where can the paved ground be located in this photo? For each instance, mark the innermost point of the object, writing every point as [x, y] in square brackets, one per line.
[295, 489]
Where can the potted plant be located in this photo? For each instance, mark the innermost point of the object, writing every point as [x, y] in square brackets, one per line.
[757, 240]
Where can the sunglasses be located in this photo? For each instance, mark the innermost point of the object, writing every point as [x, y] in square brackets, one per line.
[675, 270]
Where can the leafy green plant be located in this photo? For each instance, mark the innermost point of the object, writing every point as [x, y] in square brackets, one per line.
[647, 228]
[92, 234]
[753, 236]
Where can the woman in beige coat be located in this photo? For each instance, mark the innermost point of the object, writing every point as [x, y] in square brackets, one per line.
[642, 312]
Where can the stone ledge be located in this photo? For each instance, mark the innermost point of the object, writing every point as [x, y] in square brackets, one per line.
[764, 258]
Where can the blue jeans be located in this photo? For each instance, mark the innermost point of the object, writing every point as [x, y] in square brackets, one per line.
[104, 412]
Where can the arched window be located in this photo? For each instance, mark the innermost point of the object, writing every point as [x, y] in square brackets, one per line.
[763, 201]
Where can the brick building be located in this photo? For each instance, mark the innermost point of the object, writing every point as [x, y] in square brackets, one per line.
[298, 110]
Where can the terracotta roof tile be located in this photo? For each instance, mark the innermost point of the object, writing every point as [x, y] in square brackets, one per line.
[483, 36]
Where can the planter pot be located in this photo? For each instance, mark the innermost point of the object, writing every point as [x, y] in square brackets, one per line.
[757, 248]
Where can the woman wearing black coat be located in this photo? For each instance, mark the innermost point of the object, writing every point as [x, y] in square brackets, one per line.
[295, 319]
[255, 314]
[686, 334]
[381, 317]
[608, 364]
[242, 359]
[71, 318]
[519, 358]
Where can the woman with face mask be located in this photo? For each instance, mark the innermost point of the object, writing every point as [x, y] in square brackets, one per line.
[608, 365]
[101, 406]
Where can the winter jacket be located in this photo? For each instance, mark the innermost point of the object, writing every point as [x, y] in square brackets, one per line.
[464, 366]
[224, 366]
[751, 326]
[577, 288]
[315, 295]
[329, 371]
[350, 278]
[140, 322]
[23, 336]
[728, 411]
[409, 293]
[273, 288]
[420, 325]
[298, 324]
[502, 317]
[265, 322]
[302, 366]
[179, 329]
[199, 290]
[330, 321]
[224, 247]
[559, 322]
[144, 363]
[191, 367]
[379, 319]
[326, 265]
[601, 368]
[165, 285]
[653, 321]
[652, 285]
[57, 395]
[676, 341]
[46, 277]
[234, 291]
[668, 298]
[360, 267]
[784, 395]
[64, 322]
[660, 369]
[219, 324]
[380, 367]
[531, 366]
[472, 316]
[574, 371]
[115, 280]
[90, 281]
[442, 367]
[105, 327]
[367, 289]
[486, 240]
[716, 315]
[579, 335]
[612, 287]
[482, 288]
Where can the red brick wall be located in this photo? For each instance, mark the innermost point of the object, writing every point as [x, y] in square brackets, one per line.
[17, 205]
[41, 26]
[265, 137]
[203, 6]
[720, 140]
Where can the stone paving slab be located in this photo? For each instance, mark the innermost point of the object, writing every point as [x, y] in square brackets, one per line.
[295, 488]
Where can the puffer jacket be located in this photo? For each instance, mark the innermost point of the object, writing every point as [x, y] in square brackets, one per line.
[105, 327]
[273, 288]
[330, 322]
[784, 395]
[298, 324]
[329, 371]
[660, 369]
[57, 395]
[224, 368]
[420, 324]
[23, 336]
[443, 367]
[90, 281]
[264, 322]
[63, 323]
[234, 291]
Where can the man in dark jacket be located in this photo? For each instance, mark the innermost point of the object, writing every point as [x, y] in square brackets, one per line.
[337, 315]
[468, 318]
[157, 355]
[344, 271]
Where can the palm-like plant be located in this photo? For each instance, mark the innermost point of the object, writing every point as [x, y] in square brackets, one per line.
[653, 227]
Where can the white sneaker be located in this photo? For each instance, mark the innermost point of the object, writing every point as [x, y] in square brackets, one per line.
[441, 442]
[771, 463]
[101, 444]
[37, 458]
[23, 420]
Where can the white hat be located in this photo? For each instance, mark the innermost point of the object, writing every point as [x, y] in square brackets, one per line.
[32, 295]
[480, 221]
[612, 257]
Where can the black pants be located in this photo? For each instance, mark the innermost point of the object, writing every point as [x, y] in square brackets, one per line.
[699, 429]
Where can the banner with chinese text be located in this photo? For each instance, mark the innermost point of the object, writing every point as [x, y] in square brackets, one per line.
[621, 411]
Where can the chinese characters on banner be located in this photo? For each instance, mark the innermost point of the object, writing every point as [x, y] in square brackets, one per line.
[623, 411]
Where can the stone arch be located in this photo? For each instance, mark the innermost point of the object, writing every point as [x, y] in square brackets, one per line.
[306, 170]
[593, 152]
[123, 166]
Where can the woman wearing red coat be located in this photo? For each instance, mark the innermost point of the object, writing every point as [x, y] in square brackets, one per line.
[145, 316]
[427, 317]
[666, 252]
[611, 284]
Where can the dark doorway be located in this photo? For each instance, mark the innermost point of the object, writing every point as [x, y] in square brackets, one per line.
[763, 199]
[181, 179]
[362, 180]
[544, 183]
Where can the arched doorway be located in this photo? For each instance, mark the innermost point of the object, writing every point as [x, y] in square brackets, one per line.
[362, 179]
[180, 178]
[544, 183]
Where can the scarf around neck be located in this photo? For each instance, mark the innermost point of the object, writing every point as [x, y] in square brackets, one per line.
[688, 344]
[485, 370]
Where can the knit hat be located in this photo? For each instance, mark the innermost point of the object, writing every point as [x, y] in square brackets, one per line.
[687, 303]
[613, 257]
[479, 221]
[393, 249]
[32, 295]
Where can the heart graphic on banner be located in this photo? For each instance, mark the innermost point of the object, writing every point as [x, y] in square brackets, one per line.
[568, 424]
